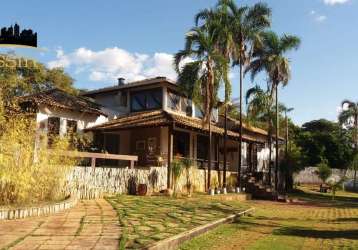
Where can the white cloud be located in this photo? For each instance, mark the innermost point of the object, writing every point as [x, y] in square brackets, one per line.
[334, 2]
[317, 17]
[321, 18]
[108, 64]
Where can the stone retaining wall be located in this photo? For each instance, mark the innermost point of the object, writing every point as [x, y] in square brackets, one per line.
[85, 183]
[309, 175]
[19, 213]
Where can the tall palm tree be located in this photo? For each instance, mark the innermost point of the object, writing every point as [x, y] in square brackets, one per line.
[259, 108]
[349, 118]
[269, 56]
[217, 22]
[286, 110]
[201, 77]
[246, 25]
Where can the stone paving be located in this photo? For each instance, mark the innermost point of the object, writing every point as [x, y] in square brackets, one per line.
[146, 220]
[92, 224]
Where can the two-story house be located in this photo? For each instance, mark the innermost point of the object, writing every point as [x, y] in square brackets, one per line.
[152, 119]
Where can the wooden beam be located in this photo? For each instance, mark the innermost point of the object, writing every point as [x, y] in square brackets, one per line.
[170, 152]
[76, 154]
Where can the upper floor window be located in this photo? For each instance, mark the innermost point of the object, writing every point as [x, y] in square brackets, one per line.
[122, 98]
[179, 103]
[146, 100]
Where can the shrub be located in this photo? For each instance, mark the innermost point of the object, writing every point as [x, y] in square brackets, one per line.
[324, 171]
[29, 172]
[177, 169]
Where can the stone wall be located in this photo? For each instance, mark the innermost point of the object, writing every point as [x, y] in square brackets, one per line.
[309, 175]
[86, 184]
[199, 177]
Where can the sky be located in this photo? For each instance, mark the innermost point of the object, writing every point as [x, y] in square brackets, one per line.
[98, 41]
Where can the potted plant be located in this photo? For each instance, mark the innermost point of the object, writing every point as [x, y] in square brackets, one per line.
[214, 186]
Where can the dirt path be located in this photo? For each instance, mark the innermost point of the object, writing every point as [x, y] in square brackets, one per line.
[92, 224]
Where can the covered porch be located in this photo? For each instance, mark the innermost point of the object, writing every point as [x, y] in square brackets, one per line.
[158, 137]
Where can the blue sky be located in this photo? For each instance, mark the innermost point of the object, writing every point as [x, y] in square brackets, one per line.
[97, 41]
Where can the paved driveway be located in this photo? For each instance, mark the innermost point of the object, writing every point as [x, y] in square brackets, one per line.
[92, 224]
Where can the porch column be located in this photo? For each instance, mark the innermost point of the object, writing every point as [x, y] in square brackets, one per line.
[218, 159]
[170, 155]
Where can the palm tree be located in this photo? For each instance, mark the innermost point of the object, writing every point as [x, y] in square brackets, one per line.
[288, 171]
[200, 78]
[259, 108]
[349, 118]
[245, 26]
[218, 23]
[269, 56]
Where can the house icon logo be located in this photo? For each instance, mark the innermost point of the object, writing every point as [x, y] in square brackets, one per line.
[12, 36]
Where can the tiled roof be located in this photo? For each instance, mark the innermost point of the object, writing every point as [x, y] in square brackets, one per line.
[144, 82]
[164, 118]
[248, 127]
[60, 99]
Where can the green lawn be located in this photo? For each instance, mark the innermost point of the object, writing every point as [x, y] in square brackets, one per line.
[316, 222]
[144, 220]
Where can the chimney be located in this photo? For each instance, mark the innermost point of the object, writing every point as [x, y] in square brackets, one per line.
[121, 81]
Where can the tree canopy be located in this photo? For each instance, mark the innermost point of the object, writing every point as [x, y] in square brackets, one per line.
[323, 139]
[20, 76]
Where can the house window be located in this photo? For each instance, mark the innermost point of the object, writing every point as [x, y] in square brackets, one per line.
[173, 101]
[146, 100]
[181, 144]
[53, 128]
[198, 112]
[71, 127]
[179, 103]
[123, 99]
[202, 147]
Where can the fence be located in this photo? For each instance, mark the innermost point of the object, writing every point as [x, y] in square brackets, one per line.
[93, 156]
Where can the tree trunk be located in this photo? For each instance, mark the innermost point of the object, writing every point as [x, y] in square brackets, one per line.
[240, 131]
[225, 149]
[355, 179]
[209, 156]
[277, 134]
[287, 171]
[270, 157]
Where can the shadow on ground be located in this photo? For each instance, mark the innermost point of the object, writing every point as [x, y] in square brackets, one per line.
[312, 233]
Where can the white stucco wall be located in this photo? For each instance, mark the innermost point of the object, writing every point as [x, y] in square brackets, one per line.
[84, 120]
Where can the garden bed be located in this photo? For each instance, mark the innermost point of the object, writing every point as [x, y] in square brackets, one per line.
[146, 220]
[10, 213]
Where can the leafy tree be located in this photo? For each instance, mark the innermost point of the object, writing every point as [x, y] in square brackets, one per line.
[349, 118]
[200, 79]
[354, 167]
[291, 164]
[324, 171]
[21, 76]
[269, 56]
[322, 139]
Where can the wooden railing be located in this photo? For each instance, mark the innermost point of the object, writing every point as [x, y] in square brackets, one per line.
[201, 163]
[94, 156]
